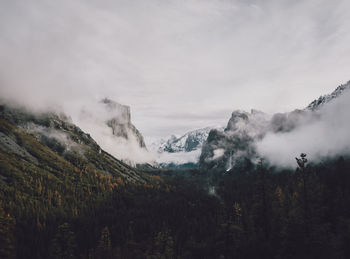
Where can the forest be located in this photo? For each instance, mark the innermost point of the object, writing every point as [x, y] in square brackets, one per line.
[257, 212]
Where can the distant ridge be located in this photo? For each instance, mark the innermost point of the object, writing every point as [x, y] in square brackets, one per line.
[322, 100]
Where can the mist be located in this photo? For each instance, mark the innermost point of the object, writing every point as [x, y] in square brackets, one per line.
[93, 118]
[178, 64]
[323, 137]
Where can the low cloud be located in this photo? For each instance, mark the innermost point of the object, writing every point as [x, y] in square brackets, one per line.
[327, 135]
[93, 119]
[179, 64]
[179, 157]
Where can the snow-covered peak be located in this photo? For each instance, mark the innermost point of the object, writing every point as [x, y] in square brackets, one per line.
[188, 142]
[181, 150]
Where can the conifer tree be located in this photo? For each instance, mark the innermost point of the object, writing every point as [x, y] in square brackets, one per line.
[104, 249]
[7, 239]
[163, 246]
[64, 244]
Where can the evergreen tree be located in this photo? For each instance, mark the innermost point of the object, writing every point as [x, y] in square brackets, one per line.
[63, 244]
[104, 249]
[163, 246]
[7, 239]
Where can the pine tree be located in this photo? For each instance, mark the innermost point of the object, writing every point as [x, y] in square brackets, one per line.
[163, 246]
[64, 244]
[7, 239]
[104, 249]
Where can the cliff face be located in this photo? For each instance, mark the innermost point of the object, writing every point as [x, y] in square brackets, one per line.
[233, 147]
[51, 143]
[120, 122]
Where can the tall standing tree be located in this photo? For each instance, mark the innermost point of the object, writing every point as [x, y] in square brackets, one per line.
[7, 238]
[64, 243]
[104, 249]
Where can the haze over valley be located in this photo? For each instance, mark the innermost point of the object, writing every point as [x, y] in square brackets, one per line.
[174, 129]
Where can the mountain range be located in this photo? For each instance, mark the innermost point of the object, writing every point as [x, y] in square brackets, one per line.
[181, 151]
[222, 148]
[62, 195]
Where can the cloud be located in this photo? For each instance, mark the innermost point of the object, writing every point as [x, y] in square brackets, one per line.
[324, 137]
[178, 157]
[172, 60]
[94, 117]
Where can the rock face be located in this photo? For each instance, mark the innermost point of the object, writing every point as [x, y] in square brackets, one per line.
[50, 141]
[120, 121]
[234, 148]
[322, 100]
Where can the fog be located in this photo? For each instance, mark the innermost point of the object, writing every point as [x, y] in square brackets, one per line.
[325, 136]
[93, 118]
[179, 65]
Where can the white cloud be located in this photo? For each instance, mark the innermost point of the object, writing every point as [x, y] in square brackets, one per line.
[171, 58]
[328, 136]
[178, 157]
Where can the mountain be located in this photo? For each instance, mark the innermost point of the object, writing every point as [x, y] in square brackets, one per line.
[51, 144]
[53, 174]
[235, 148]
[183, 151]
[322, 100]
[188, 142]
[235, 142]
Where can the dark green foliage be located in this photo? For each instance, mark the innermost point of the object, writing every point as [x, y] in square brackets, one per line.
[257, 214]
[163, 246]
[63, 244]
[89, 205]
[7, 237]
[104, 249]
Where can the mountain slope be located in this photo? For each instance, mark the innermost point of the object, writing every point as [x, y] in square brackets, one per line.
[249, 136]
[52, 143]
[324, 99]
[52, 172]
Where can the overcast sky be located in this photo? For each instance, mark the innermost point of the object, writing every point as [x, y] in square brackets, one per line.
[180, 64]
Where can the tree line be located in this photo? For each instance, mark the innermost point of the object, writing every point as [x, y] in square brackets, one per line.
[258, 213]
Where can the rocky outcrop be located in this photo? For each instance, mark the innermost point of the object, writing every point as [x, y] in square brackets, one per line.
[120, 121]
[233, 147]
[324, 99]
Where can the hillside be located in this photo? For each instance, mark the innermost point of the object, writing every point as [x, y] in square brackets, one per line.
[52, 142]
[50, 169]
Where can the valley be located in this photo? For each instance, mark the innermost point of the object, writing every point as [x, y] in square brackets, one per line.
[63, 196]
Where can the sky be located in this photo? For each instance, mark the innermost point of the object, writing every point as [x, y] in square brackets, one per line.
[180, 64]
